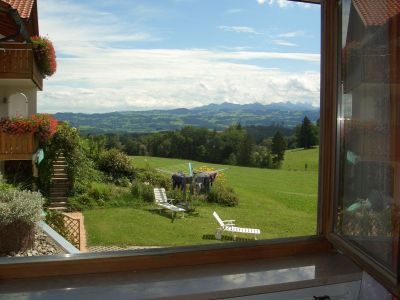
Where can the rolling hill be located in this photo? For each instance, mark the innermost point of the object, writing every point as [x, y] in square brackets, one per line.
[212, 116]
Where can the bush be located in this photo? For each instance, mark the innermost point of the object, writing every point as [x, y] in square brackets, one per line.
[81, 202]
[223, 195]
[5, 186]
[116, 165]
[100, 194]
[19, 213]
[154, 178]
[143, 191]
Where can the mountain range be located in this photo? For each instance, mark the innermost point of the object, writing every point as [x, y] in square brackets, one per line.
[212, 116]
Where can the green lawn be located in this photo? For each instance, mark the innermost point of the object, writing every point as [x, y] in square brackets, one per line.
[282, 203]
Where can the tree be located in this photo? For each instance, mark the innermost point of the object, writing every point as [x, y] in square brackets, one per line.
[306, 134]
[278, 147]
[245, 150]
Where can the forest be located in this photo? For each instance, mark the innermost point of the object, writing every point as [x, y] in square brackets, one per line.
[256, 146]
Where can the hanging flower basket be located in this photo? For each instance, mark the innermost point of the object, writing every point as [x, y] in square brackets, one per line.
[45, 55]
[41, 124]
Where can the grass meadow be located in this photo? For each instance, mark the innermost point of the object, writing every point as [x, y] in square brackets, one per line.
[282, 203]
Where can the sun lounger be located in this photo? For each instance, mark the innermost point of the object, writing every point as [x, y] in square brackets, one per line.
[166, 204]
[229, 226]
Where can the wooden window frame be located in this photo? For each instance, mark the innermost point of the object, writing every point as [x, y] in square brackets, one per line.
[210, 254]
[329, 89]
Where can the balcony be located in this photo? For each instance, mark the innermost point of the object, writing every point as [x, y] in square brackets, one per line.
[17, 61]
[17, 147]
[366, 69]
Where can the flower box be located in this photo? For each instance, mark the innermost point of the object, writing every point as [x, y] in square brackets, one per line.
[18, 147]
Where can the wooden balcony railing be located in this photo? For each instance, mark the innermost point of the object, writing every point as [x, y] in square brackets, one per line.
[17, 61]
[17, 147]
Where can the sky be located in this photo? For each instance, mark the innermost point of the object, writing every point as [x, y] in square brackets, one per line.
[125, 55]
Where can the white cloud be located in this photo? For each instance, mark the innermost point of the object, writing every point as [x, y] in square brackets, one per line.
[261, 2]
[286, 3]
[239, 29]
[284, 43]
[94, 76]
[291, 34]
[109, 79]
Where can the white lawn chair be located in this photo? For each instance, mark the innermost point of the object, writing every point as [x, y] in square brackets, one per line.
[229, 226]
[166, 204]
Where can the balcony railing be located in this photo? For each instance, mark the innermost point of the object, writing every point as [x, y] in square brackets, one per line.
[17, 61]
[17, 147]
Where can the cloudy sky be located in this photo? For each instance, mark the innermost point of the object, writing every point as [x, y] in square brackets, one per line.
[143, 54]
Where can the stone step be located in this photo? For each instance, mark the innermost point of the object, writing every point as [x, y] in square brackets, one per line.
[58, 194]
[58, 191]
[56, 178]
[59, 199]
[65, 167]
[61, 179]
[61, 166]
[58, 203]
[59, 187]
[60, 208]
[64, 193]
[60, 175]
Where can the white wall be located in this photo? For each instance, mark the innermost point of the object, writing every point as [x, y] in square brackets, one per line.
[7, 90]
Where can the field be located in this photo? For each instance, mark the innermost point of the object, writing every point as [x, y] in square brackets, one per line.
[282, 203]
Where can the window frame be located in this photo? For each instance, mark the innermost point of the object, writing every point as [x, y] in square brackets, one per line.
[86, 263]
[381, 273]
[323, 241]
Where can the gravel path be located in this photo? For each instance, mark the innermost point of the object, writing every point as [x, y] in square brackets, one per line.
[43, 245]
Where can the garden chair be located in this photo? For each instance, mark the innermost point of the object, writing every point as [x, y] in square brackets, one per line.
[164, 203]
[229, 226]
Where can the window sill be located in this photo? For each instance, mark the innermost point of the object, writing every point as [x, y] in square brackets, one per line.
[197, 282]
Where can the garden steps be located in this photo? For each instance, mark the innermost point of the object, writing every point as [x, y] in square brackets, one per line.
[58, 193]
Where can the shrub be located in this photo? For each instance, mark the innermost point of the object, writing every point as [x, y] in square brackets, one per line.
[19, 213]
[81, 202]
[143, 191]
[100, 194]
[223, 195]
[5, 186]
[115, 164]
[154, 178]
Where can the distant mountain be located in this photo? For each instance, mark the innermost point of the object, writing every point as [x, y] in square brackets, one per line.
[213, 116]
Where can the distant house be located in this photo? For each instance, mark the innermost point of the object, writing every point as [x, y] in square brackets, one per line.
[20, 77]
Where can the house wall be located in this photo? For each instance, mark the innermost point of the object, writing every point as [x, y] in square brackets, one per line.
[7, 91]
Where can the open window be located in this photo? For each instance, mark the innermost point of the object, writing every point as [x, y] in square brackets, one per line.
[366, 199]
[360, 155]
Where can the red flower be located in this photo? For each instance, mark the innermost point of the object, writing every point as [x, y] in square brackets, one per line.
[45, 55]
[42, 124]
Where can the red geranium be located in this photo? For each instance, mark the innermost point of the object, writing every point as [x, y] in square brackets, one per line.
[42, 124]
[45, 55]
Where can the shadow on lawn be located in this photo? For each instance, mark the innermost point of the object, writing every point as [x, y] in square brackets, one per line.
[168, 215]
[228, 238]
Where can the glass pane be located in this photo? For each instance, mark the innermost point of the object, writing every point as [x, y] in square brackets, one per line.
[178, 110]
[368, 128]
